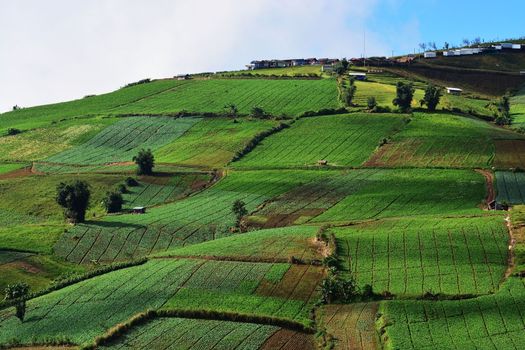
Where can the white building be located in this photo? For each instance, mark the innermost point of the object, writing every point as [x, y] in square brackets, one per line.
[430, 54]
[454, 91]
[516, 46]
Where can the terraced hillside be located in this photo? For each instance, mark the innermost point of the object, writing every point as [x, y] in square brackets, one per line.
[353, 230]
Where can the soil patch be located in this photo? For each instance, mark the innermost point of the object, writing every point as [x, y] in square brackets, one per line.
[489, 181]
[298, 283]
[285, 339]
[509, 154]
[16, 173]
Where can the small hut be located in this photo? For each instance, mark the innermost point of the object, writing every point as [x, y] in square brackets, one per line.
[139, 210]
[322, 162]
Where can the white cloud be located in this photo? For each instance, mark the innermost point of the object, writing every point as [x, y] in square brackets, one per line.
[63, 49]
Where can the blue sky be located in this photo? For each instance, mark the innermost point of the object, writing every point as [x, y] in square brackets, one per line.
[57, 50]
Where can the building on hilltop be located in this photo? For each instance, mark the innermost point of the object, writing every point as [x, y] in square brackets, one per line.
[430, 54]
[454, 91]
[358, 75]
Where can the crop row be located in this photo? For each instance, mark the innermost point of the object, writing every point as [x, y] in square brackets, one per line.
[86, 309]
[415, 256]
[510, 186]
[487, 322]
[289, 97]
[198, 218]
[340, 140]
[122, 140]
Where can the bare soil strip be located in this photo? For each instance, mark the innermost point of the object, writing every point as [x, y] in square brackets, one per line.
[489, 180]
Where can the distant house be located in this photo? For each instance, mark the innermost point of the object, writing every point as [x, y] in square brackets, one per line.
[506, 45]
[454, 91]
[298, 62]
[430, 54]
[516, 46]
[139, 210]
[405, 59]
[322, 162]
[358, 75]
[327, 68]
[522, 72]
[182, 76]
[449, 53]
[494, 205]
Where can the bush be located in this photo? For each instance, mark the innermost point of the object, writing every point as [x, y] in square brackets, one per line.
[13, 131]
[113, 202]
[18, 292]
[131, 182]
[432, 97]
[121, 188]
[404, 96]
[371, 103]
[258, 112]
[334, 288]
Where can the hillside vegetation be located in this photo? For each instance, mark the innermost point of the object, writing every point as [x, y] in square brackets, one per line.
[316, 222]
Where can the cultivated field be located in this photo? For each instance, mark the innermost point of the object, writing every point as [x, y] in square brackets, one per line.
[122, 140]
[487, 322]
[510, 154]
[212, 142]
[440, 140]
[517, 105]
[510, 187]
[342, 140]
[180, 333]
[410, 257]
[278, 97]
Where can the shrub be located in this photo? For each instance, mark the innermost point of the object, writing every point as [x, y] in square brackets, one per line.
[432, 97]
[121, 188]
[404, 96]
[113, 202]
[258, 112]
[18, 292]
[239, 210]
[74, 198]
[371, 103]
[334, 288]
[131, 182]
[13, 131]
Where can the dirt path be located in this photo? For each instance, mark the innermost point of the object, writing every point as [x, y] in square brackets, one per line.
[489, 181]
[16, 173]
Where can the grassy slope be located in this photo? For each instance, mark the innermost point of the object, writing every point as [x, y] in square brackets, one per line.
[341, 140]
[442, 140]
[278, 97]
[517, 105]
[42, 116]
[212, 142]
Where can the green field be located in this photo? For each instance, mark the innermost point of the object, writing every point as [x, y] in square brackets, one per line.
[202, 217]
[212, 142]
[410, 257]
[441, 140]
[488, 322]
[278, 97]
[342, 140]
[8, 167]
[510, 187]
[122, 140]
[517, 105]
[86, 309]
[180, 333]
[287, 71]
[43, 116]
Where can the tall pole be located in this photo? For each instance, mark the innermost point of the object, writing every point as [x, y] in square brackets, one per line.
[364, 48]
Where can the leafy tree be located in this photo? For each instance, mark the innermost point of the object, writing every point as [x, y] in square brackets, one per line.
[404, 96]
[371, 103]
[74, 198]
[145, 162]
[466, 42]
[345, 63]
[347, 92]
[131, 182]
[16, 107]
[432, 97]
[113, 202]
[18, 291]
[339, 68]
[239, 209]
[423, 46]
[231, 110]
[446, 46]
[503, 117]
[258, 112]
[334, 288]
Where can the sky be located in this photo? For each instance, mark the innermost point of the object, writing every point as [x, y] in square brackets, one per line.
[57, 50]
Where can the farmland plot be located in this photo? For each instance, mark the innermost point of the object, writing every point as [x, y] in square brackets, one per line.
[412, 256]
[88, 308]
[389, 193]
[383, 93]
[278, 97]
[353, 326]
[9, 167]
[122, 140]
[511, 187]
[177, 333]
[487, 322]
[202, 217]
[272, 244]
[111, 169]
[440, 140]
[517, 109]
[42, 116]
[341, 140]
[510, 154]
[212, 142]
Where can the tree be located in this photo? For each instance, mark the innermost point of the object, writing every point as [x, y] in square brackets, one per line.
[145, 162]
[16, 107]
[404, 96]
[258, 112]
[239, 209]
[446, 46]
[503, 117]
[13, 131]
[423, 46]
[339, 68]
[371, 103]
[74, 198]
[334, 288]
[466, 42]
[113, 202]
[345, 63]
[432, 97]
[347, 92]
[18, 291]
[231, 110]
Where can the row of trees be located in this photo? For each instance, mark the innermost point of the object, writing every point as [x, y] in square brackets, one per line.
[431, 45]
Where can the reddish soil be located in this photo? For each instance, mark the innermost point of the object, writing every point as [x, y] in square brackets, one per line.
[16, 174]
[285, 339]
[282, 220]
[509, 154]
[298, 283]
[489, 181]
[23, 265]
[375, 159]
